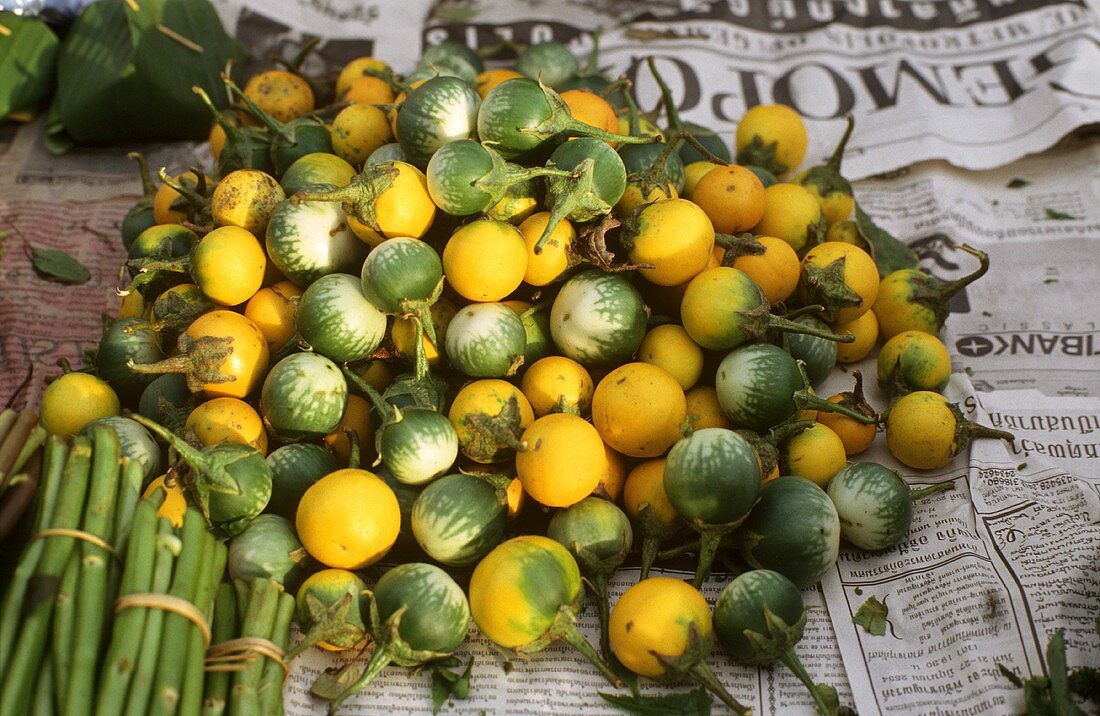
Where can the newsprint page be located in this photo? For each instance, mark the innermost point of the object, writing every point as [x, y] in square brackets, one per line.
[976, 122]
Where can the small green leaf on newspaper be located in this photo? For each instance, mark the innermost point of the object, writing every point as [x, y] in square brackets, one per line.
[691, 703]
[1017, 183]
[58, 266]
[447, 683]
[332, 682]
[832, 701]
[1059, 215]
[871, 615]
[889, 253]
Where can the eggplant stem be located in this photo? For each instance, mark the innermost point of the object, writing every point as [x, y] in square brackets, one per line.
[838, 153]
[565, 628]
[932, 489]
[379, 660]
[790, 660]
[702, 674]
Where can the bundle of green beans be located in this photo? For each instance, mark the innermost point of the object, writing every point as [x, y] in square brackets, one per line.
[246, 669]
[155, 660]
[20, 465]
[52, 621]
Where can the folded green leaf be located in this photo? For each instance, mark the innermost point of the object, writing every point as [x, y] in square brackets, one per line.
[871, 615]
[126, 70]
[447, 683]
[58, 266]
[889, 253]
[28, 55]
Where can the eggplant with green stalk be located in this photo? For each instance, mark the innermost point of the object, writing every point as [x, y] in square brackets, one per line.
[332, 611]
[288, 141]
[759, 618]
[832, 191]
[527, 593]
[760, 385]
[245, 147]
[551, 63]
[404, 277]
[127, 341]
[465, 177]
[599, 536]
[520, 116]
[418, 614]
[158, 243]
[793, 529]
[308, 236]
[713, 145]
[459, 518]
[914, 300]
[231, 482]
[875, 505]
[441, 110]
[416, 444]
[723, 308]
[303, 396]
[269, 548]
[661, 628]
[595, 181]
[712, 478]
[140, 216]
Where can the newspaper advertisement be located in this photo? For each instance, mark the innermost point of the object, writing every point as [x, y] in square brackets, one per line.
[972, 126]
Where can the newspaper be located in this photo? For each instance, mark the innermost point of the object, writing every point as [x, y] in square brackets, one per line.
[940, 89]
[558, 681]
[978, 83]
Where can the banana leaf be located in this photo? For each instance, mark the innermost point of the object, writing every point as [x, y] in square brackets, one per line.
[127, 67]
[28, 55]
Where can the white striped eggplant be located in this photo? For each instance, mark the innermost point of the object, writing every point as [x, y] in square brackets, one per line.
[712, 478]
[874, 504]
[303, 396]
[759, 618]
[309, 239]
[337, 320]
[598, 318]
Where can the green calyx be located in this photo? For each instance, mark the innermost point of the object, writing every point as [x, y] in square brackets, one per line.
[737, 245]
[329, 623]
[199, 360]
[503, 175]
[767, 446]
[564, 627]
[762, 155]
[194, 201]
[245, 147]
[574, 197]
[174, 311]
[936, 293]
[806, 400]
[561, 123]
[692, 663]
[967, 431]
[360, 196]
[389, 648]
[490, 437]
[655, 533]
[826, 178]
[710, 539]
[757, 322]
[826, 286]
